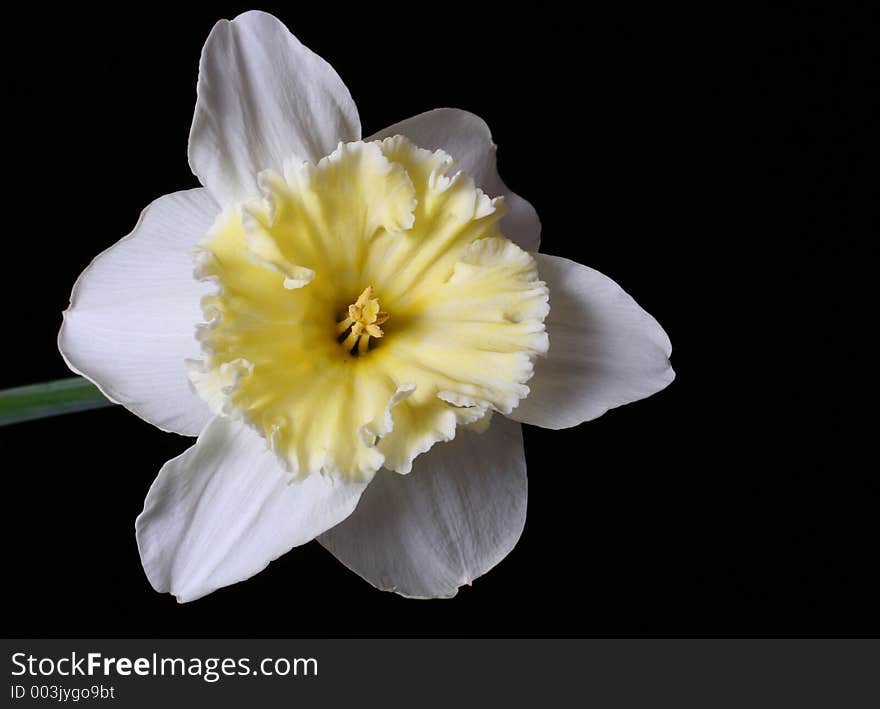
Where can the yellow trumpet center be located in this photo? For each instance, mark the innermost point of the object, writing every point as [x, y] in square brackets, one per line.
[288, 349]
[362, 322]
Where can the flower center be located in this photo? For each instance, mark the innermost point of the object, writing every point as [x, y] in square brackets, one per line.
[468, 309]
[362, 322]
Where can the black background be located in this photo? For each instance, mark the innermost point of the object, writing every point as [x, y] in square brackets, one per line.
[687, 156]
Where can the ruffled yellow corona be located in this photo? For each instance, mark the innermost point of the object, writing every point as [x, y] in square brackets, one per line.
[296, 343]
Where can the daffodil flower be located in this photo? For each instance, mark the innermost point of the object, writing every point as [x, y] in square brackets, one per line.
[354, 328]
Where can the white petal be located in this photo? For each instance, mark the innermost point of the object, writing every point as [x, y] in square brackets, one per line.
[133, 311]
[221, 511]
[467, 138]
[604, 349]
[457, 514]
[263, 97]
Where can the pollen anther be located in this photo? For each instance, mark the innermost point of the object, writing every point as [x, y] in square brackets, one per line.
[363, 321]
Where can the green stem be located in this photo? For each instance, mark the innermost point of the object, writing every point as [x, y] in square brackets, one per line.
[37, 401]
